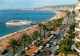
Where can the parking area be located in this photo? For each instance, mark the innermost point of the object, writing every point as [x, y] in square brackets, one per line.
[50, 50]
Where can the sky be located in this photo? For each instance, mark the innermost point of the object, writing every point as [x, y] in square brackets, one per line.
[33, 3]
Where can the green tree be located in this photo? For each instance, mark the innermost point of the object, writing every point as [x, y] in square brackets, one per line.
[72, 27]
[66, 45]
[50, 23]
[40, 26]
[25, 39]
[36, 35]
[69, 31]
[73, 12]
[57, 22]
[44, 28]
[28, 41]
[14, 45]
[72, 35]
[68, 13]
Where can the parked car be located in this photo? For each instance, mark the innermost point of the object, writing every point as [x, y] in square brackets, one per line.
[4, 52]
[54, 43]
[58, 47]
[47, 45]
[54, 37]
[48, 52]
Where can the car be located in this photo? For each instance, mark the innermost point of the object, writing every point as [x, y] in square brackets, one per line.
[55, 51]
[47, 45]
[4, 52]
[58, 47]
[48, 52]
[54, 37]
[54, 43]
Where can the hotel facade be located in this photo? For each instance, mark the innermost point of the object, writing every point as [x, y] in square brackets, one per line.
[77, 27]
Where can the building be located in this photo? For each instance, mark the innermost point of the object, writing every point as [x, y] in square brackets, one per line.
[77, 28]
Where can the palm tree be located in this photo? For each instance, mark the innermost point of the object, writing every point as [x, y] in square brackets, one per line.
[44, 28]
[65, 45]
[25, 39]
[36, 35]
[40, 26]
[28, 38]
[14, 45]
[73, 12]
[68, 13]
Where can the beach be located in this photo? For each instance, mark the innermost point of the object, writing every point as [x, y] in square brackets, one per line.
[5, 39]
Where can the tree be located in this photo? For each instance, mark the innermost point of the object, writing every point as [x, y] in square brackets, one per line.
[72, 27]
[66, 45]
[57, 22]
[69, 31]
[68, 13]
[28, 40]
[14, 45]
[44, 28]
[25, 39]
[50, 23]
[36, 35]
[73, 12]
[72, 35]
[40, 26]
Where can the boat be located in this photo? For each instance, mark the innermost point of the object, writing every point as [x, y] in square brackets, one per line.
[19, 22]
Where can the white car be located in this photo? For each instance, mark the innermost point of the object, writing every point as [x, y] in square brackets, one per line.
[54, 37]
[54, 43]
[47, 45]
[57, 47]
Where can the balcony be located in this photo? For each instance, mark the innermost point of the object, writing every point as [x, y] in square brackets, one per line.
[77, 38]
[77, 6]
[77, 47]
[77, 18]
[77, 29]
[77, 33]
[77, 25]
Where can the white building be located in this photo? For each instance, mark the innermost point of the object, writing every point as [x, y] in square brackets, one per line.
[77, 28]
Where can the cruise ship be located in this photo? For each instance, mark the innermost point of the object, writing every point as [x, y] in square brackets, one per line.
[19, 22]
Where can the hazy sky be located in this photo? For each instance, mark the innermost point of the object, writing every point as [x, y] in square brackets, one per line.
[33, 3]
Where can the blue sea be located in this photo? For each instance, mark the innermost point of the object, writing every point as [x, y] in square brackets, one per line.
[31, 15]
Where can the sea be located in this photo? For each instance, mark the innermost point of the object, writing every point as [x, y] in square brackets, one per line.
[31, 15]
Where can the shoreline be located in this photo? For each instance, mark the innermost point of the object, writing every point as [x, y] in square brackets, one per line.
[5, 39]
[13, 33]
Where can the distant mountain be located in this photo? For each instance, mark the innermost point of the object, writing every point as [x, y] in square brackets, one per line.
[58, 6]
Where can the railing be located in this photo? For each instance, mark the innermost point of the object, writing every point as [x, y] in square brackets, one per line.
[77, 29]
[78, 50]
[78, 46]
[77, 26]
[77, 39]
[77, 17]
